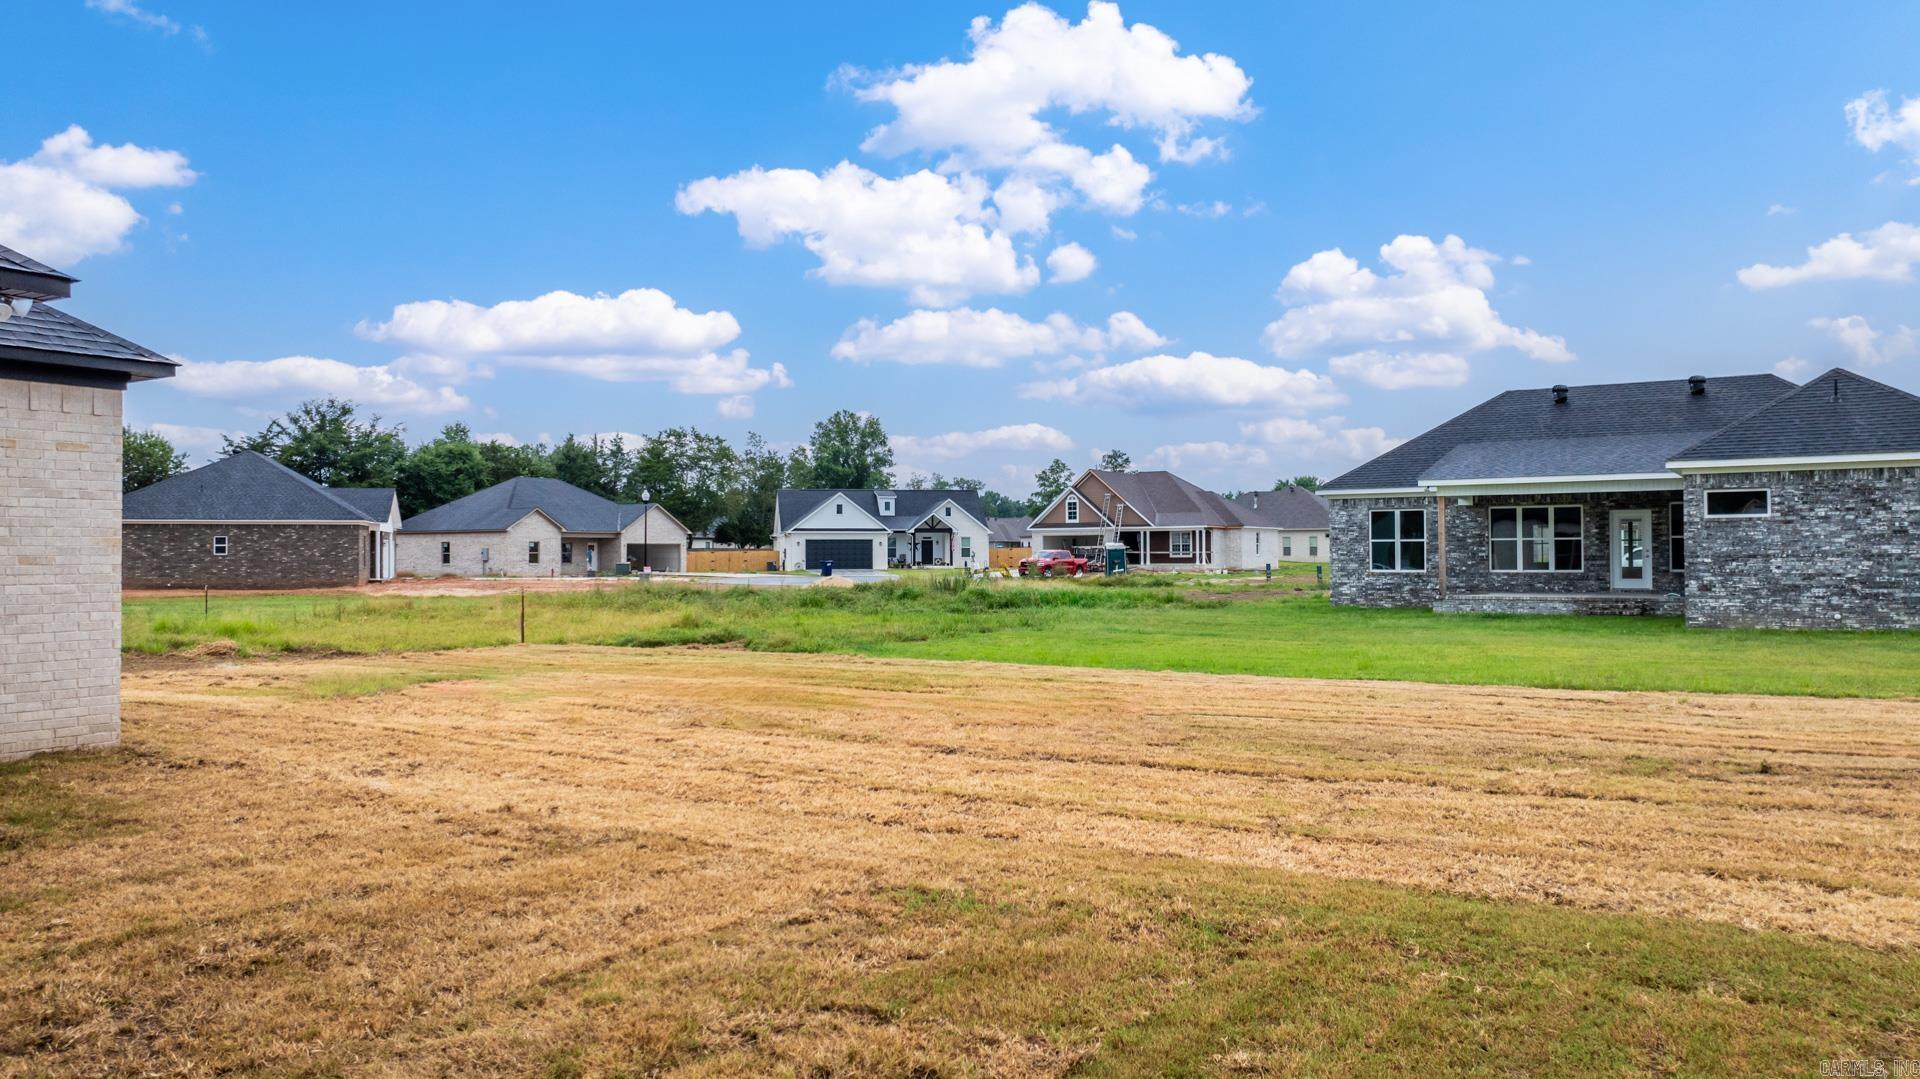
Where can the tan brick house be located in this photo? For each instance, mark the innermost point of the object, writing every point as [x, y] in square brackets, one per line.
[61, 382]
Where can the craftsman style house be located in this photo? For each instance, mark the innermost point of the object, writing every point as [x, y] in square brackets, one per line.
[1165, 522]
[533, 526]
[857, 529]
[61, 384]
[1740, 501]
[248, 521]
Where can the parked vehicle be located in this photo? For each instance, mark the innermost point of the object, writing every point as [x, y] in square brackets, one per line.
[1053, 563]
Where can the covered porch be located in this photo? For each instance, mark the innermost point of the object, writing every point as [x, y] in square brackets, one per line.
[932, 542]
[1147, 548]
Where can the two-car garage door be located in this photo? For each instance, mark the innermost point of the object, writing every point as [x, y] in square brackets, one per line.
[845, 554]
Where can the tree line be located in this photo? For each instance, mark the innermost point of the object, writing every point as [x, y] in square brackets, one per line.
[707, 482]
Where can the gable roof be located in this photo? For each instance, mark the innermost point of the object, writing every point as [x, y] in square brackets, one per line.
[1288, 507]
[1622, 428]
[23, 276]
[1008, 529]
[497, 508]
[1833, 415]
[1169, 501]
[246, 487]
[375, 502]
[909, 507]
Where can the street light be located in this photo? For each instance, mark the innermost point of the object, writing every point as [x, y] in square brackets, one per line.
[646, 527]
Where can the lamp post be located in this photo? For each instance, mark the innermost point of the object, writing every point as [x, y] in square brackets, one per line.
[646, 528]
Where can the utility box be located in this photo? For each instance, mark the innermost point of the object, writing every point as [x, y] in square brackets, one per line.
[1116, 559]
[622, 569]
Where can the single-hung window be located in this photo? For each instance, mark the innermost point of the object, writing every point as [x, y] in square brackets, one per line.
[1073, 511]
[219, 545]
[1313, 546]
[1286, 546]
[533, 552]
[1534, 539]
[966, 546]
[1256, 543]
[1180, 544]
[1756, 503]
[1399, 540]
[566, 552]
[1677, 536]
[446, 553]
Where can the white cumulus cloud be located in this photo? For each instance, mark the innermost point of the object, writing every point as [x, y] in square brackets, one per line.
[1069, 263]
[927, 233]
[1876, 124]
[1883, 254]
[1868, 347]
[1208, 455]
[376, 385]
[1412, 326]
[1018, 436]
[64, 203]
[1197, 380]
[1401, 370]
[1325, 438]
[988, 338]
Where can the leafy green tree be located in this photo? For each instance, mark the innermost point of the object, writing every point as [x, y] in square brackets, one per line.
[689, 472]
[505, 462]
[999, 505]
[800, 468]
[327, 442]
[438, 472]
[762, 472]
[578, 463]
[1311, 483]
[1116, 461]
[1048, 483]
[849, 450]
[147, 458]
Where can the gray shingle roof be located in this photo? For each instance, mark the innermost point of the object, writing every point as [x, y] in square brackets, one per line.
[14, 260]
[243, 487]
[1837, 413]
[909, 507]
[49, 335]
[375, 502]
[500, 506]
[1289, 507]
[1008, 529]
[1622, 427]
[1169, 501]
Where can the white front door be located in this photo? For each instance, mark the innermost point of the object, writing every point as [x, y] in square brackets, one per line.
[1630, 535]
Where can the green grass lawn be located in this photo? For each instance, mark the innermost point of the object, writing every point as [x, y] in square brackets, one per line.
[1229, 626]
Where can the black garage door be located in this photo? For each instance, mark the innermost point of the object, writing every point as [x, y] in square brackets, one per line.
[846, 554]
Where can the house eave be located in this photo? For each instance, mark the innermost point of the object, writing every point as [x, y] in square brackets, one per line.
[1519, 485]
[1374, 492]
[1906, 458]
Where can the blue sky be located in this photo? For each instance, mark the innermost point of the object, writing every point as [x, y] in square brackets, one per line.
[297, 199]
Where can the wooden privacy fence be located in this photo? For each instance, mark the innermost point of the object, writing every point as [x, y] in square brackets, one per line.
[750, 561]
[1007, 557]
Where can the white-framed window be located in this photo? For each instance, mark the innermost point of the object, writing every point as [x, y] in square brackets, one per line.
[566, 552]
[1073, 511]
[946, 511]
[838, 508]
[446, 553]
[1313, 546]
[1399, 541]
[1180, 544]
[966, 546]
[220, 545]
[1677, 536]
[1256, 543]
[1535, 539]
[893, 547]
[533, 552]
[1286, 546]
[886, 506]
[1750, 502]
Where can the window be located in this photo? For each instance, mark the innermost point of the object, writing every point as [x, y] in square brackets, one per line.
[446, 553]
[1535, 539]
[533, 552]
[947, 510]
[1677, 536]
[1256, 543]
[966, 546]
[1738, 503]
[838, 508]
[1313, 546]
[1286, 546]
[566, 552]
[1399, 540]
[893, 547]
[886, 506]
[1180, 544]
[220, 545]
[1073, 511]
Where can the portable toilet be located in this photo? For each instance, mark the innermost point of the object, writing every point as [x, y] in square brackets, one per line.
[1116, 558]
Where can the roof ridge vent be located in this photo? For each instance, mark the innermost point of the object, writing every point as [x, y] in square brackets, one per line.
[1696, 384]
[1560, 395]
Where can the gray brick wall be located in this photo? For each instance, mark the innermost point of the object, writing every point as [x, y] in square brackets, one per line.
[59, 567]
[258, 555]
[1354, 583]
[1841, 549]
[1469, 527]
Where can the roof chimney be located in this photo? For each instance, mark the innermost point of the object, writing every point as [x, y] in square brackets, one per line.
[1559, 395]
[1696, 384]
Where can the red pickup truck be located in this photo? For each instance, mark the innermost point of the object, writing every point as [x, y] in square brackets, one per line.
[1063, 563]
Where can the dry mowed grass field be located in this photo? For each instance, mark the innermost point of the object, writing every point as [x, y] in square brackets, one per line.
[590, 861]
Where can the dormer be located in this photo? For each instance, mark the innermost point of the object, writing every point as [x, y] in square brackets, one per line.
[886, 502]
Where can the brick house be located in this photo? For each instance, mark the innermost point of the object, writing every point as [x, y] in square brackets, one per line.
[248, 521]
[533, 526]
[61, 382]
[1738, 501]
[1166, 522]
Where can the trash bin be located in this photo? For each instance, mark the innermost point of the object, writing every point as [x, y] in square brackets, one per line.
[826, 567]
[622, 569]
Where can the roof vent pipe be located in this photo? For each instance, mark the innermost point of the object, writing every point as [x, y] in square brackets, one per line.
[1696, 384]
[1256, 500]
[1559, 395]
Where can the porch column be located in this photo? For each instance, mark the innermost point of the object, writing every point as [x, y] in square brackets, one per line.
[1440, 512]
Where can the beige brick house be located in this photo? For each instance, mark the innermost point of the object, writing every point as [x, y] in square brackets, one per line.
[61, 380]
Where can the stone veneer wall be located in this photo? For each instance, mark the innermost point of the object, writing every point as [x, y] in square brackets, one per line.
[1468, 528]
[59, 567]
[1841, 549]
[1354, 583]
[259, 555]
